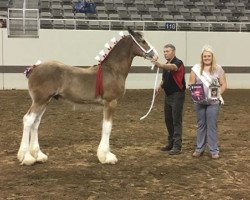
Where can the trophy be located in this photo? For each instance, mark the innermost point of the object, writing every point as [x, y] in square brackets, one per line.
[214, 90]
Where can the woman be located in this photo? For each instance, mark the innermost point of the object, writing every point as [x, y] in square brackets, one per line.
[208, 73]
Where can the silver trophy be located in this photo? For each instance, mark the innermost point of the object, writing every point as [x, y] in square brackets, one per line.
[214, 90]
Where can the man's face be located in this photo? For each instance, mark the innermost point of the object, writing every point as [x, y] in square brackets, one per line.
[168, 53]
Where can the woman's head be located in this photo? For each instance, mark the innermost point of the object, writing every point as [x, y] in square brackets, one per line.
[208, 58]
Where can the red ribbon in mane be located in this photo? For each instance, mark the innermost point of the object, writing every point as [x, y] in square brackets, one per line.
[99, 82]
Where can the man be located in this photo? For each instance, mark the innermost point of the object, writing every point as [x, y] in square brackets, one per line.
[173, 83]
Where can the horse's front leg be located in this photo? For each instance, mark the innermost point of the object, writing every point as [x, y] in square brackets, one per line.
[103, 152]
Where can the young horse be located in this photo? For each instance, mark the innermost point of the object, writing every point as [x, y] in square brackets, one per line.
[78, 85]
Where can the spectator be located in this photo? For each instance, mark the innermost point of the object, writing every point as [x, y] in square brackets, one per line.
[2, 23]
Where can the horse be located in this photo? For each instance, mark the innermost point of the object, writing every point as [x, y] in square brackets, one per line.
[100, 84]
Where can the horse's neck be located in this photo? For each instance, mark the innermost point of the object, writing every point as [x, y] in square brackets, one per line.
[120, 58]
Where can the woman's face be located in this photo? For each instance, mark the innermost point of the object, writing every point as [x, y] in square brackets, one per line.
[207, 58]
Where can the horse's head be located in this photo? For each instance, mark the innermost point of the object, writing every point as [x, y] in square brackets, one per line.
[142, 47]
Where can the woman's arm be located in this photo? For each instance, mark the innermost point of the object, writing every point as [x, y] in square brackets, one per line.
[192, 79]
[223, 83]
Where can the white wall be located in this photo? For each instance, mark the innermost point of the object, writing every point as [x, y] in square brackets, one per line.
[81, 46]
[231, 48]
[1, 47]
[77, 47]
[15, 81]
[1, 81]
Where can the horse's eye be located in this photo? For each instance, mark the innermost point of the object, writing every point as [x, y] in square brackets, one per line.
[143, 42]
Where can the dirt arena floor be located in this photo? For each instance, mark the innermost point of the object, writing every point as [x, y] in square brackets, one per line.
[70, 139]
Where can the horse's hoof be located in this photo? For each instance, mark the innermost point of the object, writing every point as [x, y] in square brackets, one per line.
[28, 159]
[101, 155]
[34, 152]
[111, 158]
[20, 155]
[41, 157]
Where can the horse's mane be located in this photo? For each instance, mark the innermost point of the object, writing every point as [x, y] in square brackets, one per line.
[112, 49]
[140, 34]
[116, 44]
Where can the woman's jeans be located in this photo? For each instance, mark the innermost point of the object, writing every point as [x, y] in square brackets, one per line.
[207, 116]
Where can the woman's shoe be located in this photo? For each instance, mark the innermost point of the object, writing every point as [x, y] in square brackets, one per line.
[215, 156]
[197, 154]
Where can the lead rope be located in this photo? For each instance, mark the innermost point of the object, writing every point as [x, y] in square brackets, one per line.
[155, 85]
[156, 77]
[153, 99]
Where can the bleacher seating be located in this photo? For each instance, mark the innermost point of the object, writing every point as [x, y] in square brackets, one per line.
[194, 15]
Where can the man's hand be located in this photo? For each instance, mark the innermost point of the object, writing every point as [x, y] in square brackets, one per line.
[158, 90]
[157, 64]
[154, 59]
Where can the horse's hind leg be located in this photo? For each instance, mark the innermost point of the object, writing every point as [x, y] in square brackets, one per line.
[103, 152]
[29, 120]
[34, 144]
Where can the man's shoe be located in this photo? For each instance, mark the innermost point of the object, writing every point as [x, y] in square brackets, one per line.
[166, 148]
[174, 152]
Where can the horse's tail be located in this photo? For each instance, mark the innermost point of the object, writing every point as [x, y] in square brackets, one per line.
[28, 70]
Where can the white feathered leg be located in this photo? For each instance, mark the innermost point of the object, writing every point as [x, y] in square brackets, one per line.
[103, 152]
[24, 155]
[34, 144]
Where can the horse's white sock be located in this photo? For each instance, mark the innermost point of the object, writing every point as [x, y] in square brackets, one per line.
[34, 144]
[103, 152]
[28, 121]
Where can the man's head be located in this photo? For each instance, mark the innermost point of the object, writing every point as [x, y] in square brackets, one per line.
[169, 51]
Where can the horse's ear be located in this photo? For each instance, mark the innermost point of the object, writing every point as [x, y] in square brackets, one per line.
[131, 31]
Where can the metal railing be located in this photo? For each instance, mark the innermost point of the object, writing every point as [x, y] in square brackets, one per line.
[26, 23]
[23, 22]
[154, 25]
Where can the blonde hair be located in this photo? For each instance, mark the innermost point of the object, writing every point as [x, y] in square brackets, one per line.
[208, 48]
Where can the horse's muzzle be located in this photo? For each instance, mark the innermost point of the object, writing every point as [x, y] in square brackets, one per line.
[149, 54]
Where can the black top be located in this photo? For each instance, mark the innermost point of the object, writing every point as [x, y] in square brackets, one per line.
[174, 81]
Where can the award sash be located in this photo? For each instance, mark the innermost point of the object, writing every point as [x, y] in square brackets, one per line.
[207, 81]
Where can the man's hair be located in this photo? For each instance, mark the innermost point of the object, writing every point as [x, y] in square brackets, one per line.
[170, 46]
